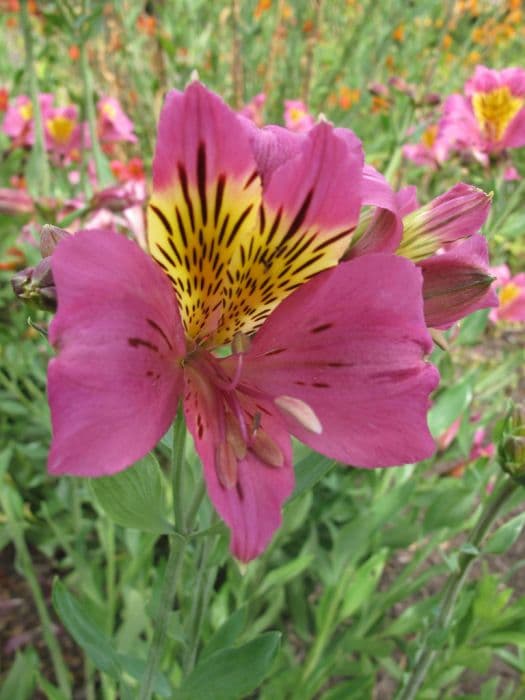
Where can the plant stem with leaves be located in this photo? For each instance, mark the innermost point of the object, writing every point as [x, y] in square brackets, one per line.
[454, 585]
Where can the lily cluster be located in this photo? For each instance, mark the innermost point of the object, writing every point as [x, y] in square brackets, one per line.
[286, 291]
[483, 122]
[65, 135]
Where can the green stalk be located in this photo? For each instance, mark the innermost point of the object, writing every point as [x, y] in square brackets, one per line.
[453, 587]
[199, 604]
[17, 535]
[101, 166]
[174, 565]
[39, 149]
[177, 457]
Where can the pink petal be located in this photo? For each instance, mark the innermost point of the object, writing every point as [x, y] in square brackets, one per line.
[457, 282]
[350, 345]
[384, 232]
[191, 118]
[272, 146]
[205, 203]
[323, 183]
[114, 387]
[251, 507]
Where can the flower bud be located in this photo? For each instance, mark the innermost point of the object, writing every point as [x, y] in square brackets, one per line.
[459, 213]
[115, 198]
[35, 285]
[14, 201]
[50, 236]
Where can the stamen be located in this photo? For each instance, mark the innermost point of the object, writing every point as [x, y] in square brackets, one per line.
[226, 465]
[267, 449]
[301, 412]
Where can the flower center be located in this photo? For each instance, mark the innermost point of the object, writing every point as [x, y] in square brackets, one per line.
[508, 293]
[429, 136]
[60, 128]
[26, 111]
[109, 110]
[495, 110]
[296, 114]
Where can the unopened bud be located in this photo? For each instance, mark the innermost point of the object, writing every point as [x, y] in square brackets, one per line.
[35, 285]
[114, 198]
[50, 236]
[458, 213]
[13, 201]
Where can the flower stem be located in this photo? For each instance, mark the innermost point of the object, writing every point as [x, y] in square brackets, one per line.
[455, 583]
[174, 565]
[43, 181]
[17, 535]
[101, 166]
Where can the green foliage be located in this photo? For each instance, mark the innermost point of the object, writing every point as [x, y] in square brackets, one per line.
[341, 603]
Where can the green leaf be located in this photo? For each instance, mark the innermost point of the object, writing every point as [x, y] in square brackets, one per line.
[309, 471]
[78, 622]
[51, 692]
[363, 583]
[227, 634]
[505, 536]
[20, 681]
[472, 328]
[230, 674]
[285, 573]
[135, 497]
[449, 405]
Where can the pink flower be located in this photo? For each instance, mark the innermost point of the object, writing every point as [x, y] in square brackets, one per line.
[245, 245]
[511, 174]
[18, 119]
[113, 124]
[254, 109]
[431, 151]
[490, 116]
[296, 116]
[511, 295]
[63, 132]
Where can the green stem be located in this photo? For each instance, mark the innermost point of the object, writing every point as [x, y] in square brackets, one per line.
[453, 587]
[177, 456]
[17, 535]
[103, 172]
[199, 604]
[39, 148]
[327, 627]
[173, 567]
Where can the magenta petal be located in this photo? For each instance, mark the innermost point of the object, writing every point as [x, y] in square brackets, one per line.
[272, 146]
[323, 181]
[383, 235]
[457, 282]
[114, 387]
[252, 507]
[350, 345]
[515, 132]
[194, 119]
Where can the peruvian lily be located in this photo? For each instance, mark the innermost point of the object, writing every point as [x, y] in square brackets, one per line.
[442, 239]
[246, 231]
[511, 296]
[490, 116]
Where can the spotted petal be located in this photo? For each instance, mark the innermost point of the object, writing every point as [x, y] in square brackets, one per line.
[114, 387]
[206, 198]
[232, 255]
[247, 492]
[349, 347]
